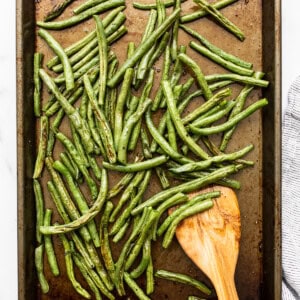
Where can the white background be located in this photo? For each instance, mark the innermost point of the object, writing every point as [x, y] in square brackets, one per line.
[8, 199]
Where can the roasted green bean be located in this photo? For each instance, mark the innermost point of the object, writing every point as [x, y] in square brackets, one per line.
[143, 48]
[39, 265]
[231, 122]
[37, 62]
[178, 123]
[39, 207]
[59, 51]
[220, 18]
[185, 279]
[102, 7]
[188, 187]
[49, 246]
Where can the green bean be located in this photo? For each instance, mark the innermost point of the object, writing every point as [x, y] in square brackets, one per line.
[120, 234]
[59, 51]
[143, 48]
[148, 6]
[77, 159]
[201, 12]
[240, 102]
[190, 211]
[58, 203]
[177, 72]
[117, 34]
[215, 159]
[185, 279]
[181, 108]
[85, 5]
[82, 16]
[88, 214]
[88, 38]
[187, 187]
[171, 133]
[125, 88]
[145, 94]
[174, 42]
[219, 60]
[124, 138]
[176, 199]
[39, 207]
[111, 97]
[80, 58]
[62, 212]
[198, 73]
[94, 130]
[181, 210]
[126, 194]
[136, 167]
[149, 277]
[186, 86]
[231, 122]
[163, 179]
[159, 49]
[134, 201]
[86, 275]
[70, 268]
[144, 234]
[37, 62]
[79, 147]
[68, 163]
[116, 189]
[145, 144]
[74, 48]
[39, 163]
[73, 114]
[132, 104]
[229, 57]
[205, 121]
[105, 247]
[102, 44]
[135, 288]
[214, 114]
[194, 298]
[99, 266]
[162, 142]
[106, 134]
[178, 123]
[165, 76]
[139, 270]
[38, 259]
[141, 68]
[161, 11]
[65, 197]
[237, 78]
[57, 10]
[49, 246]
[94, 166]
[206, 106]
[80, 72]
[220, 18]
[56, 105]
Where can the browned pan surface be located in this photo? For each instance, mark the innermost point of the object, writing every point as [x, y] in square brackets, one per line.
[257, 275]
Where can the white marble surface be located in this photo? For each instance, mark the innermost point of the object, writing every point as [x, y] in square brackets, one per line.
[8, 212]
[8, 174]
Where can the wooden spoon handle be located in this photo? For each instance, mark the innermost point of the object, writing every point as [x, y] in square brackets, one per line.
[225, 288]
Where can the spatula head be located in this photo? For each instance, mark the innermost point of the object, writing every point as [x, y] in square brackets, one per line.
[211, 240]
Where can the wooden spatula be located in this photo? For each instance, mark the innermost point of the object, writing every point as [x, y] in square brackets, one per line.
[211, 240]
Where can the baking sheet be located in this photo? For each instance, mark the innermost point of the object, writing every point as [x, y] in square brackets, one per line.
[258, 270]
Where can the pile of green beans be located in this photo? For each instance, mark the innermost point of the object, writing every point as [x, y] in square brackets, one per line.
[110, 130]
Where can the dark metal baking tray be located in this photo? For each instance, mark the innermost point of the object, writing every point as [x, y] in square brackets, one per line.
[258, 274]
